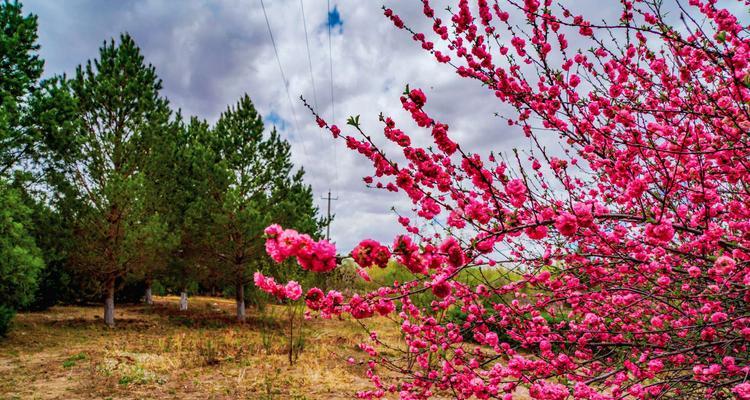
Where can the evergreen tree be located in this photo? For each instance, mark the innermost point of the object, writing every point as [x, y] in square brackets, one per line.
[20, 259]
[56, 200]
[118, 114]
[20, 69]
[178, 194]
[258, 187]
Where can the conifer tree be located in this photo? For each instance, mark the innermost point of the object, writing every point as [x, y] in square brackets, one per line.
[119, 114]
[20, 69]
[258, 187]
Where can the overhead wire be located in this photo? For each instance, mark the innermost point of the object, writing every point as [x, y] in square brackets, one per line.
[321, 137]
[283, 76]
[309, 57]
[333, 107]
[312, 77]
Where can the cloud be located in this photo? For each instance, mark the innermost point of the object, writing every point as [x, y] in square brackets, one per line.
[208, 54]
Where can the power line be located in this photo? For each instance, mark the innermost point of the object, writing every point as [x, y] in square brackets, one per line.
[330, 59]
[286, 89]
[333, 107]
[312, 78]
[309, 58]
[281, 69]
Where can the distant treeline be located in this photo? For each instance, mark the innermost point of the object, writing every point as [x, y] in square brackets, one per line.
[105, 191]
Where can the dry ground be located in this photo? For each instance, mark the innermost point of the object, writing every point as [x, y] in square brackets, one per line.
[160, 352]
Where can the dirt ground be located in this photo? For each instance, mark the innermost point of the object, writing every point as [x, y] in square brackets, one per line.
[159, 352]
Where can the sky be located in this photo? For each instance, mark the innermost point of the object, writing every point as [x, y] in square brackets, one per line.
[209, 53]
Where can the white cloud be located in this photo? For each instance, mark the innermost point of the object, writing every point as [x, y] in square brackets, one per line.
[210, 53]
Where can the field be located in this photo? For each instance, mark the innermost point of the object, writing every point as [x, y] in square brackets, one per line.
[159, 352]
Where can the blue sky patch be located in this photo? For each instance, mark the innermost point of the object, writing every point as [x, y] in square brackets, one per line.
[334, 20]
[275, 119]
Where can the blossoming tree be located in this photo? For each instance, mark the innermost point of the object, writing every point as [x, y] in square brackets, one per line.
[631, 251]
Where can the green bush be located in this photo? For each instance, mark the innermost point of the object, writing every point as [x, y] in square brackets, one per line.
[458, 317]
[54, 286]
[20, 258]
[6, 315]
[157, 288]
[494, 276]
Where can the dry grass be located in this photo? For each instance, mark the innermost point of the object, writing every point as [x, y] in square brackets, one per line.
[160, 352]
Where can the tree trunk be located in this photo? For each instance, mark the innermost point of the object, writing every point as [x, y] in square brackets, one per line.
[183, 300]
[109, 303]
[240, 296]
[149, 297]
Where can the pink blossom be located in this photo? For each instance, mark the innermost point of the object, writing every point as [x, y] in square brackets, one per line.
[649, 183]
[655, 365]
[441, 289]
[536, 232]
[663, 231]
[566, 224]
[293, 290]
[742, 391]
[548, 391]
[724, 265]
[516, 191]
[491, 339]
[369, 253]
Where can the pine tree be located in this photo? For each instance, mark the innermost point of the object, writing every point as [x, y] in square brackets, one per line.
[118, 113]
[20, 258]
[55, 199]
[178, 194]
[20, 70]
[258, 188]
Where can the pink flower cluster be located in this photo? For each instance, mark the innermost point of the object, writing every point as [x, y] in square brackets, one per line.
[316, 256]
[621, 264]
[369, 252]
[516, 191]
[742, 391]
[329, 304]
[291, 291]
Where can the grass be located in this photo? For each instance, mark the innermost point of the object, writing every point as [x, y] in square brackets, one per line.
[71, 361]
[159, 352]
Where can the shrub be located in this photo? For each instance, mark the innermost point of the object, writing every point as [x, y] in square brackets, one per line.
[6, 316]
[20, 259]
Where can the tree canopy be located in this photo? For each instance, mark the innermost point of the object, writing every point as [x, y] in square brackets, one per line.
[126, 192]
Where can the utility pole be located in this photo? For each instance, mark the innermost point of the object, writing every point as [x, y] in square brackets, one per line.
[328, 220]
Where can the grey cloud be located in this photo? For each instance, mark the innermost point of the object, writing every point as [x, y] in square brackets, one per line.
[210, 53]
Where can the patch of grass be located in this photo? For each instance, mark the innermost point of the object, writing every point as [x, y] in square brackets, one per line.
[181, 320]
[209, 352]
[71, 361]
[138, 375]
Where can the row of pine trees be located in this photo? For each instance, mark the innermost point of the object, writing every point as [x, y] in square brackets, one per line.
[105, 191]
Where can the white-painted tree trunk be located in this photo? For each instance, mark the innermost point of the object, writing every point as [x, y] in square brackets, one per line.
[109, 303]
[240, 296]
[183, 301]
[149, 297]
